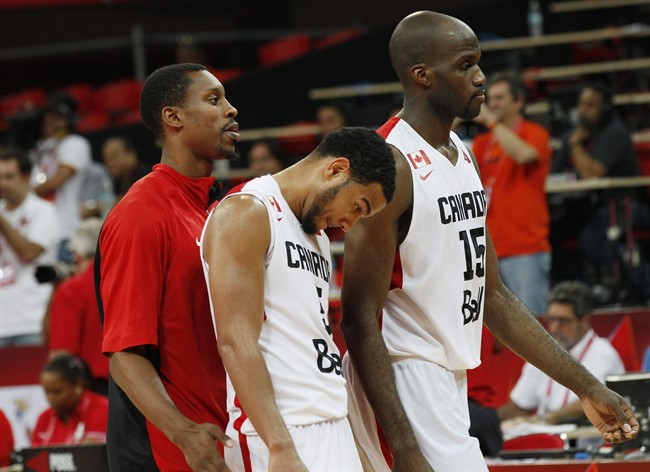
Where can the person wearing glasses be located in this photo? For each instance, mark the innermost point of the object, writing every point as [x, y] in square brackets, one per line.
[569, 321]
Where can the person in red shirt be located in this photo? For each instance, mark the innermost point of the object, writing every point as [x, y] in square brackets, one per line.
[167, 388]
[514, 158]
[76, 415]
[74, 319]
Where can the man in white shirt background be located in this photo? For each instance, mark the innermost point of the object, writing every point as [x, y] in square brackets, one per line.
[61, 159]
[28, 237]
[569, 322]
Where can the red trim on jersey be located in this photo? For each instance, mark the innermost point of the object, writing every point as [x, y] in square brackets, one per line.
[245, 452]
[397, 278]
[387, 127]
[237, 188]
[243, 440]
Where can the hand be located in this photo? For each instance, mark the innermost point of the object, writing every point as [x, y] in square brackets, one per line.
[611, 414]
[411, 462]
[486, 116]
[200, 449]
[579, 136]
[286, 460]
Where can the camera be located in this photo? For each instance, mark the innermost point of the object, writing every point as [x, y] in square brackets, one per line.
[53, 273]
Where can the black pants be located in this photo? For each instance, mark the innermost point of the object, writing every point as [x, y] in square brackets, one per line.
[485, 426]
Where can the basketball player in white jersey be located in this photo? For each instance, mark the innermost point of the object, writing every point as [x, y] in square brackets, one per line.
[425, 267]
[268, 268]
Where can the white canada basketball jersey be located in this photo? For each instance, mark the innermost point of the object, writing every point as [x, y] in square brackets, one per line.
[436, 311]
[296, 340]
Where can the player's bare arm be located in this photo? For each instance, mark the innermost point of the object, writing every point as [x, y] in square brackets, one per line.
[370, 248]
[516, 327]
[235, 245]
[137, 377]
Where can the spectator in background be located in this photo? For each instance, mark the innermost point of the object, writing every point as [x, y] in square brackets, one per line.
[569, 322]
[331, 116]
[600, 145]
[61, 159]
[265, 157]
[514, 157]
[28, 237]
[123, 163]
[74, 326]
[76, 415]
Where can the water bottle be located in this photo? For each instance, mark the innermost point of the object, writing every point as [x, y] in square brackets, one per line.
[535, 19]
[106, 197]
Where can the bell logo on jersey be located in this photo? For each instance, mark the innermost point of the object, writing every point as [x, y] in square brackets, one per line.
[275, 205]
[418, 159]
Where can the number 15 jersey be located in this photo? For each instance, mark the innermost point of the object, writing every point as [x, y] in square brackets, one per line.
[434, 310]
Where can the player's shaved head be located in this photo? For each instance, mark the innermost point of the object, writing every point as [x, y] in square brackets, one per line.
[421, 37]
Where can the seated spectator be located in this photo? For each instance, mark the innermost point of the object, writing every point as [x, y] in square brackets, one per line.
[76, 415]
[6, 440]
[74, 318]
[28, 237]
[331, 116]
[265, 157]
[123, 163]
[599, 146]
[61, 159]
[569, 322]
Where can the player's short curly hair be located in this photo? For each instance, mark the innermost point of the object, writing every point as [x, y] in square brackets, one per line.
[164, 87]
[371, 159]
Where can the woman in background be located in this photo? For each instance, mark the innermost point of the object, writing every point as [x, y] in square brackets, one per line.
[76, 415]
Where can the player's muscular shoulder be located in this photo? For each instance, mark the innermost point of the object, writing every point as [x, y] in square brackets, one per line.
[403, 198]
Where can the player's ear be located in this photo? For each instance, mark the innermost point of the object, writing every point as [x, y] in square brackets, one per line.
[422, 74]
[340, 165]
[170, 117]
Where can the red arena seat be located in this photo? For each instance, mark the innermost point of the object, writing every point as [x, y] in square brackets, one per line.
[282, 50]
[82, 93]
[228, 74]
[337, 38]
[13, 103]
[119, 97]
[533, 442]
[93, 121]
